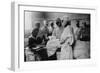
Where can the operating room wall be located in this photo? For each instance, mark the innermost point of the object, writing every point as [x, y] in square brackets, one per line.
[32, 17]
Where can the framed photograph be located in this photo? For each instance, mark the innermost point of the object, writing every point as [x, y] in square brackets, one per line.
[52, 36]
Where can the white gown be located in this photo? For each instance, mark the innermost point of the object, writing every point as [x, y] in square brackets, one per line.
[66, 49]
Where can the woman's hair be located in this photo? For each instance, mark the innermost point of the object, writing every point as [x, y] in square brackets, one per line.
[52, 25]
[67, 23]
[78, 23]
[58, 22]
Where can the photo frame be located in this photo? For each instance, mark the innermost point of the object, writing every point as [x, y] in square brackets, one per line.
[18, 34]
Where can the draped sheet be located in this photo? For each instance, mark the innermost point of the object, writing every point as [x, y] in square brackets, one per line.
[52, 46]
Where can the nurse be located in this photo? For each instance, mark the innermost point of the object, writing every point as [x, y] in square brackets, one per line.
[66, 41]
